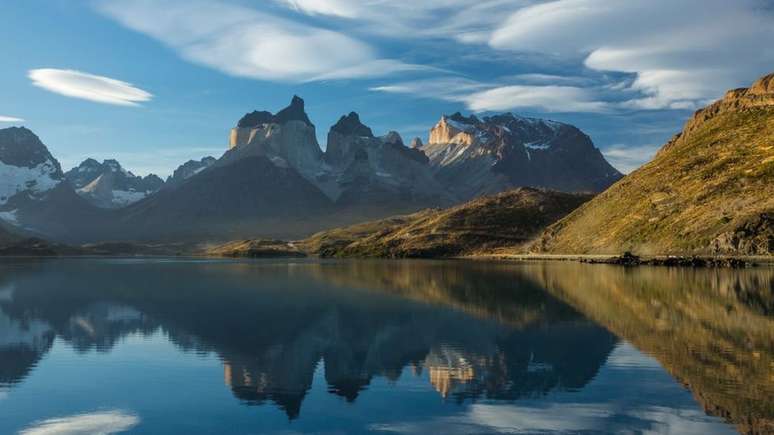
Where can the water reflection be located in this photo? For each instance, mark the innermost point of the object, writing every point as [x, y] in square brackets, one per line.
[480, 332]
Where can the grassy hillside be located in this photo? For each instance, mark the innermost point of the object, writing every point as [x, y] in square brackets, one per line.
[508, 219]
[708, 191]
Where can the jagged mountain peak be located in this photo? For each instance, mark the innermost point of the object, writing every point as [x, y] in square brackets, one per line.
[459, 117]
[478, 156]
[759, 95]
[416, 143]
[19, 146]
[764, 85]
[109, 185]
[255, 118]
[393, 137]
[189, 169]
[350, 125]
[26, 165]
[294, 112]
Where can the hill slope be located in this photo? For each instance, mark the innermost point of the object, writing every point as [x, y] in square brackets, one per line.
[710, 190]
[508, 219]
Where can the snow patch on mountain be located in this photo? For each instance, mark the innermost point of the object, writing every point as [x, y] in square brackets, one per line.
[122, 198]
[37, 179]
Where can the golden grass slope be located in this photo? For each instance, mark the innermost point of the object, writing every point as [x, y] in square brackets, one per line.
[710, 190]
[507, 219]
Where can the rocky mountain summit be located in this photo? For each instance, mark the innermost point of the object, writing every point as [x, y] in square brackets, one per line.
[109, 185]
[475, 156]
[26, 166]
[710, 190]
[366, 168]
[188, 170]
[356, 169]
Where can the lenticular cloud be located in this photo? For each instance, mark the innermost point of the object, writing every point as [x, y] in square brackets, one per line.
[90, 87]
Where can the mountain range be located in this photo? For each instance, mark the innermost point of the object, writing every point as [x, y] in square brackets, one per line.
[275, 180]
[109, 185]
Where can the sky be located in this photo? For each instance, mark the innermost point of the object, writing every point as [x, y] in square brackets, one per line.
[153, 83]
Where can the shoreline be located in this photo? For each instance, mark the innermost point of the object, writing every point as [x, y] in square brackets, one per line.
[697, 261]
[644, 260]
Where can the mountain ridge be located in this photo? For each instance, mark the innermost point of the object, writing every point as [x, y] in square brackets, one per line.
[709, 190]
[358, 177]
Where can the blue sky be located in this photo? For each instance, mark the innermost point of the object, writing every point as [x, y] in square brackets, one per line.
[156, 82]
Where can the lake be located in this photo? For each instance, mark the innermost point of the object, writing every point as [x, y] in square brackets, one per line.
[395, 347]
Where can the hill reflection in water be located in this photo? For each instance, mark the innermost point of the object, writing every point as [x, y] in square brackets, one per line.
[477, 331]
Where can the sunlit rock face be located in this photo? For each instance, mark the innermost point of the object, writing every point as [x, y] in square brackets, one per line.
[356, 167]
[476, 156]
[287, 138]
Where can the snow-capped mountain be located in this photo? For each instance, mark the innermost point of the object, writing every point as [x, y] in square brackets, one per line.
[475, 156]
[109, 185]
[26, 165]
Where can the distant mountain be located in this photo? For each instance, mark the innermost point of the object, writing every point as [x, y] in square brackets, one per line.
[274, 180]
[27, 168]
[109, 185]
[475, 156]
[188, 170]
[507, 219]
[709, 190]
[252, 189]
[377, 170]
[357, 169]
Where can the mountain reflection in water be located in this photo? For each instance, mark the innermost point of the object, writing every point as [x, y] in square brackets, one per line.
[479, 332]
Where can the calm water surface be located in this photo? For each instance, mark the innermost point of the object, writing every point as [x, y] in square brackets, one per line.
[176, 346]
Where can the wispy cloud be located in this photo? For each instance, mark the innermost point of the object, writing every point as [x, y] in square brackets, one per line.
[465, 21]
[682, 52]
[628, 158]
[336, 8]
[556, 99]
[245, 42]
[483, 97]
[87, 86]
[100, 423]
[10, 119]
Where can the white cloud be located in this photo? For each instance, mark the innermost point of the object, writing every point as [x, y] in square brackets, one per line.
[98, 423]
[482, 97]
[90, 87]
[683, 52]
[10, 119]
[542, 98]
[467, 21]
[445, 88]
[244, 42]
[628, 158]
[337, 8]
